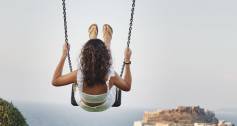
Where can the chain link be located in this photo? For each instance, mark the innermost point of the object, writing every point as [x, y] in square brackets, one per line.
[129, 33]
[66, 35]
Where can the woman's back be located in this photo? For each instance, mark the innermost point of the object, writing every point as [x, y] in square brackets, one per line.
[95, 90]
[98, 97]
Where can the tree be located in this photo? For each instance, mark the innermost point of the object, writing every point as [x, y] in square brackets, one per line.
[10, 115]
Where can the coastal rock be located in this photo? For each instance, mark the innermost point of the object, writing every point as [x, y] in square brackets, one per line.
[181, 116]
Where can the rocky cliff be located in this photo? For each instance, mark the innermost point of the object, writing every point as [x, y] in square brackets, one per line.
[181, 116]
[185, 115]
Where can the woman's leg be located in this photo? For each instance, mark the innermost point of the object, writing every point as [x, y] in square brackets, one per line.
[107, 35]
[93, 31]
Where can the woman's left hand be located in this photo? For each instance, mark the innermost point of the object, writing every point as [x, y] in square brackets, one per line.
[66, 47]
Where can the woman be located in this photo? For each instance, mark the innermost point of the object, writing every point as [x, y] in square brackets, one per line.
[95, 75]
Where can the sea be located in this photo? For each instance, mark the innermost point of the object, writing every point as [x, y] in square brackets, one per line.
[45, 114]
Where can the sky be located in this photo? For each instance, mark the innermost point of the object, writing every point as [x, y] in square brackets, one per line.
[184, 51]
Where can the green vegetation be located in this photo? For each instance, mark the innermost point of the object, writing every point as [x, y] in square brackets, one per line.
[10, 115]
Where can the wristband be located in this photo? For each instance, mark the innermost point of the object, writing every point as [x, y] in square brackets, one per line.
[127, 62]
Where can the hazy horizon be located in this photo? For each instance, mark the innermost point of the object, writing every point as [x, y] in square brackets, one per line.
[61, 115]
[183, 51]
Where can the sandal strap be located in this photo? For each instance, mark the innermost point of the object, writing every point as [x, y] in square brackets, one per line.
[89, 30]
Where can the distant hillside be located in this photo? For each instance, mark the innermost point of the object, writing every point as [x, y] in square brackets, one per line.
[10, 116]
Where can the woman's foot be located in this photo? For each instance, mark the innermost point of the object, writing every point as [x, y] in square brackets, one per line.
[107, 35]
[93, 31]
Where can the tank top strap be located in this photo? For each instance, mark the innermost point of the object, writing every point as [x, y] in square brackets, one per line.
[80, 80]
[110, 74]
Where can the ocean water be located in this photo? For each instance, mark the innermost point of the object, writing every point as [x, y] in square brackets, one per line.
[66, 115]
[38, 114]
[229, 114]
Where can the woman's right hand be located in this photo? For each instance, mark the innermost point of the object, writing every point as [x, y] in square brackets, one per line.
[127, 54]
[66, 47]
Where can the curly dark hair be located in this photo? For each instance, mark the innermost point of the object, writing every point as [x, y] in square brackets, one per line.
[95, 61]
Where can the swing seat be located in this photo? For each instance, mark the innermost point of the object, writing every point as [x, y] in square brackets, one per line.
[104, 106]
[76, 102]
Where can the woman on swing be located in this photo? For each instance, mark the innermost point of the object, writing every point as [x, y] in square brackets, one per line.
[95, 75]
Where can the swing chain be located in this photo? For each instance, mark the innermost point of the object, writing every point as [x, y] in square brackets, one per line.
[129, 32]
[73, 101]
[131, 23]
[66, 35]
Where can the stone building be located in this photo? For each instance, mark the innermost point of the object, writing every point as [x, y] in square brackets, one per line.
[181, 116]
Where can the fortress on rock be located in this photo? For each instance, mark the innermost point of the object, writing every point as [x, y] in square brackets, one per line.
[181, 116]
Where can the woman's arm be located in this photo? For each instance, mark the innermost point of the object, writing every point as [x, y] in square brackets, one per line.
[58, 78]
[125, 82]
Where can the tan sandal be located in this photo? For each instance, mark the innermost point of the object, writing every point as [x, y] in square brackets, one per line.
[93, 28]
[107, 28]
[107, 35]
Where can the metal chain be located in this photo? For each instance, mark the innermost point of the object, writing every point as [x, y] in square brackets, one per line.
[118, 91]
[129, 32]
[73, 101]
[66, 36]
